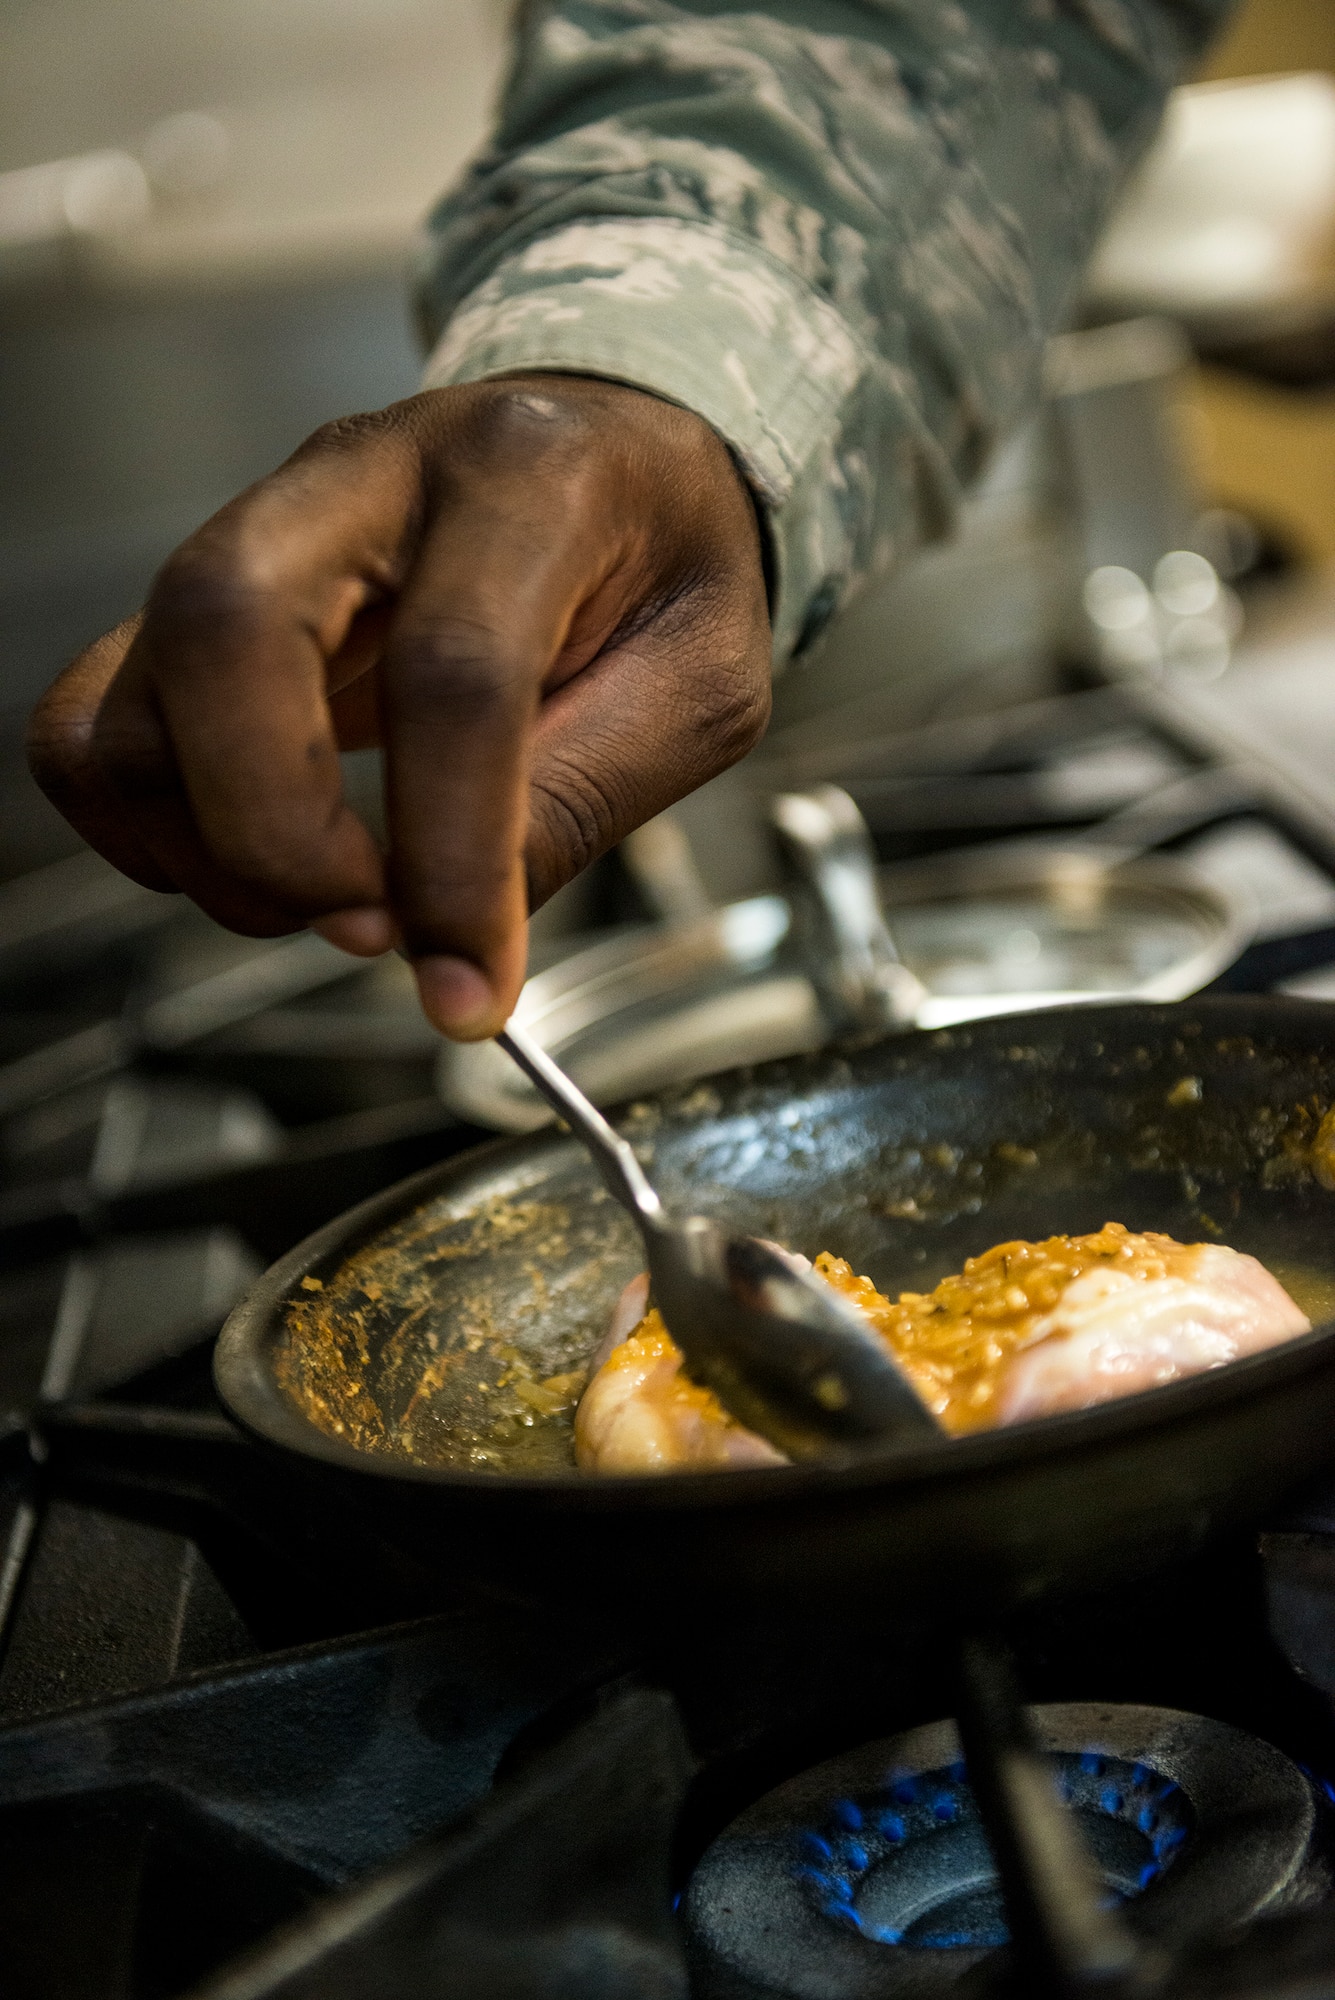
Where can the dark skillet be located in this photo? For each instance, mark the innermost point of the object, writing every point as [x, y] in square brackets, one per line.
[1197, 1119]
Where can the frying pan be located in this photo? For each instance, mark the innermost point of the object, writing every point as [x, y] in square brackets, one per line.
[403, 1349]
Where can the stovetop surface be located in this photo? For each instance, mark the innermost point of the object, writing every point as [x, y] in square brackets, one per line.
[247, 1749]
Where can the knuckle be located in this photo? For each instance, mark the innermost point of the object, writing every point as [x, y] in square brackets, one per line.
[440, 910]
[454, 663]
[136, 762]
[514, 422]
[60, 731]
[363, 427]
[458, 891]
[284, 873]
[255, 851]
[239, 907]
[130, 750]
[225, 581]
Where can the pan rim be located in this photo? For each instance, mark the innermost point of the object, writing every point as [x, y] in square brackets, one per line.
[250, 1392]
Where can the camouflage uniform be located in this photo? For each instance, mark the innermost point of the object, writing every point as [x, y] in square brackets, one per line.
[839, 230]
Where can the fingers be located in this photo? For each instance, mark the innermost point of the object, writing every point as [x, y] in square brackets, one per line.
[550, 582]
[233, 657]
[201, 749]
[487, 615]
[62, 760]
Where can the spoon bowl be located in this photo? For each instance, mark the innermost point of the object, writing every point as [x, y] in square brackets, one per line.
[783, 1352]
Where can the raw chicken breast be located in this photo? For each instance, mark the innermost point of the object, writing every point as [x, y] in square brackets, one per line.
[1024, 1330]
[1112, 1334]
[641, 1414]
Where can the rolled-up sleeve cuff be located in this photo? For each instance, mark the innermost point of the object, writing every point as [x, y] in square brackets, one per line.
[706, 320]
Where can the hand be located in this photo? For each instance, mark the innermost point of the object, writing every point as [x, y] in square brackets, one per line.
[541, 595]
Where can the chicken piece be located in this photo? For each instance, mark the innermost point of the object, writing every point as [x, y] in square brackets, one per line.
[640, 1413]
[1111, 1335]
[1025, 1330]
[630, 1308]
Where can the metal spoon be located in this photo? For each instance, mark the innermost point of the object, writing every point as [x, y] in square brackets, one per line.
[784, 1353]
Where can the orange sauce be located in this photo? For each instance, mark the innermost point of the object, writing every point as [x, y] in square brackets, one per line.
[954, 1342]
[652, 1342]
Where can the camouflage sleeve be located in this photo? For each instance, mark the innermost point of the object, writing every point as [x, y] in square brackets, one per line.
[839, 230]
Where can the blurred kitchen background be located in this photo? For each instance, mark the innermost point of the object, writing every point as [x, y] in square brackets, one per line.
[206, 216]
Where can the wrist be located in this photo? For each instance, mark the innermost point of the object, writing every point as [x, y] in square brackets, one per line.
[705, 321]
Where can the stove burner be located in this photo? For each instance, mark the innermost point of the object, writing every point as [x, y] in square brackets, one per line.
[872, 1875]
[911, 1864]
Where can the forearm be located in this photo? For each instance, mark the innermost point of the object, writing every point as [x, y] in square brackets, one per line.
[841, 237]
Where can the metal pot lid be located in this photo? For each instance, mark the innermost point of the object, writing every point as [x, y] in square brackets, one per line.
[1000, 929]
[989, 931]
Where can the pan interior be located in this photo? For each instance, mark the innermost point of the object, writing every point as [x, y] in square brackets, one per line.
[458, 1336]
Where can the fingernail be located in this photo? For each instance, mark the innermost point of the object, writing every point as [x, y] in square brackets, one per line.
[366, 933]
[457, 998]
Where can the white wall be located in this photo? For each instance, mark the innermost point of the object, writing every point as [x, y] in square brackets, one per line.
[345, 117]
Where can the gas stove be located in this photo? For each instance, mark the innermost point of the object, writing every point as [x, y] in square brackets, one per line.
[248, 1750]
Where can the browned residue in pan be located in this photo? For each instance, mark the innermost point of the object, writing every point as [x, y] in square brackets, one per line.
[1322, 1153]
[366, 1350]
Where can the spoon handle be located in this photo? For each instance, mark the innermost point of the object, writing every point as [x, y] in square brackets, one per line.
[622, 1174]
